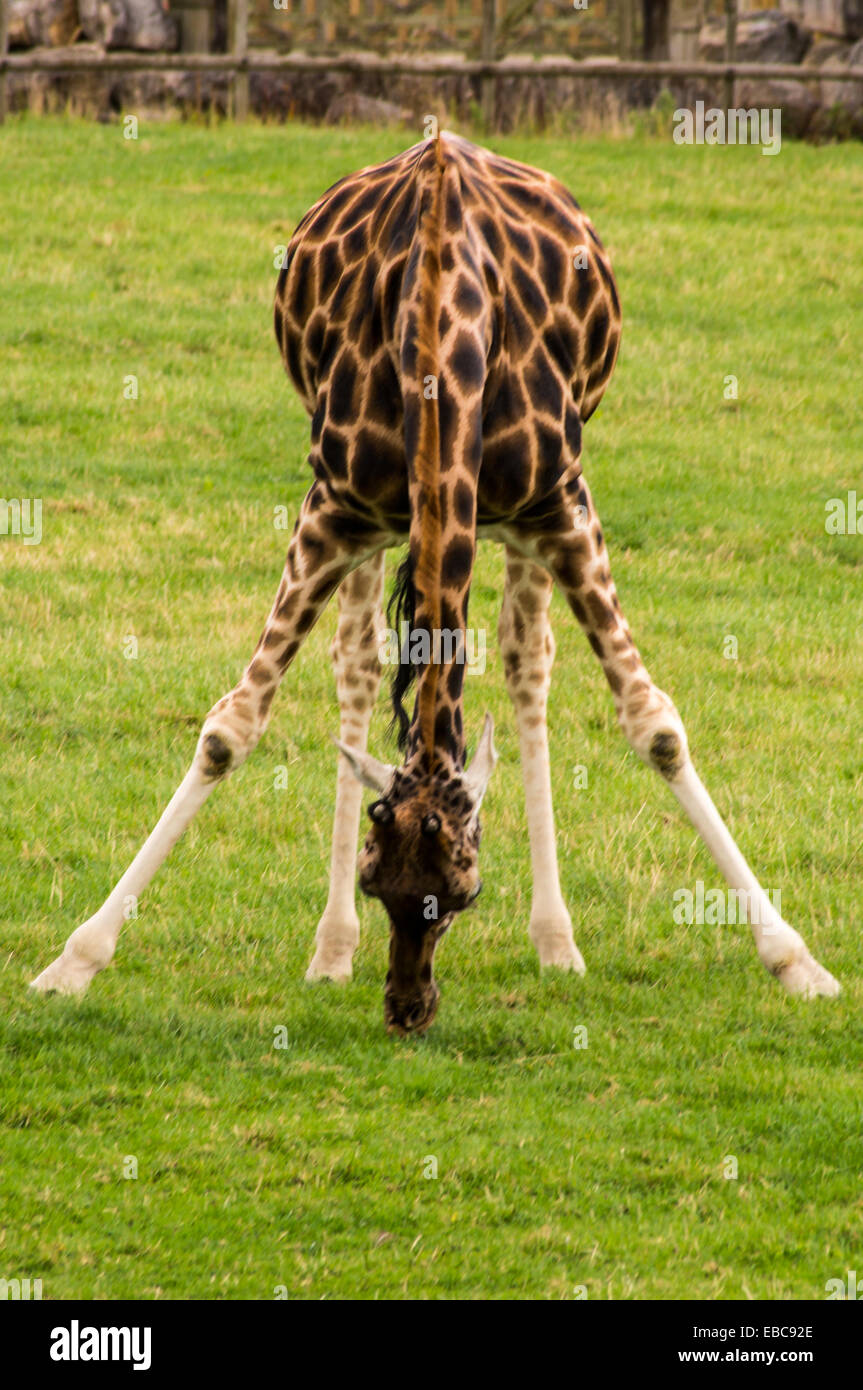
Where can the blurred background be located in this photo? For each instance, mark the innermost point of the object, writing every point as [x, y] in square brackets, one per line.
[366, 60]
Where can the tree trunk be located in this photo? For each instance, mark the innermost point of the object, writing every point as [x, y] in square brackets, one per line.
[656, 47]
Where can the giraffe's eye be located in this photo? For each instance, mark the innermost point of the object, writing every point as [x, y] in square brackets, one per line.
[381, 812]
[431, 824]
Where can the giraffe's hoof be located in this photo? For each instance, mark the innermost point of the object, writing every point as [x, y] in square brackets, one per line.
[326, 965]
[556, 948]
[336, 940]
[563, 957]
[65, 975]
[804, 977]
[783, 951]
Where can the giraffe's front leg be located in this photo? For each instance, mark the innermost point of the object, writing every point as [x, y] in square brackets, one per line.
[317, 561]
[527, 648]
[356, 658]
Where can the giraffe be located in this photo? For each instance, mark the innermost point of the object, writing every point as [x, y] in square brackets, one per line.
[450, 321]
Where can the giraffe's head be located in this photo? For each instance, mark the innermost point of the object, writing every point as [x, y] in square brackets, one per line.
[420, 859]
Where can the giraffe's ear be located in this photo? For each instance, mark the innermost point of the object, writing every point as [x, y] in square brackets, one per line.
[482, 764]
[365, 768]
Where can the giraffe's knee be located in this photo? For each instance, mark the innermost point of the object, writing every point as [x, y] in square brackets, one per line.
[215, 756]
[227, 739]
[656, 733]
[667, 753]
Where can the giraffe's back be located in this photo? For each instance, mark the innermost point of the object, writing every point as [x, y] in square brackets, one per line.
[528, 303]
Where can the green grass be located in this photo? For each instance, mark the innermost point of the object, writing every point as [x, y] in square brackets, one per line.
[303, 1167]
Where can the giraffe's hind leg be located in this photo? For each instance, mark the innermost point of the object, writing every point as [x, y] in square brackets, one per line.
[570, 543]
[356, 658]
[527, 649]
[317, 561]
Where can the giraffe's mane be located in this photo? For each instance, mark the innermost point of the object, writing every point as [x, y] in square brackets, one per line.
[427, 571]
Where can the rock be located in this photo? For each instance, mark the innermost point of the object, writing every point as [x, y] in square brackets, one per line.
[204, 91]
[148, 95]
[271, 94]
[797, 101]
[840, 100]
[137, 24]
[826, 51]
[353, 106]
[843, 101]
[841, 18]
[832, 53]
[295, 95]
[81, 93]
[848, 95]
[763, 36]
[34, 23]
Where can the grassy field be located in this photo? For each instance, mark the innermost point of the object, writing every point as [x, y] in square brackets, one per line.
[557, 1167]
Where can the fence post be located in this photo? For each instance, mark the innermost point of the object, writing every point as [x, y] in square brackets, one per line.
[4, 43]
[625, 27]
[240, 48]
[486, 52]
[730, 49]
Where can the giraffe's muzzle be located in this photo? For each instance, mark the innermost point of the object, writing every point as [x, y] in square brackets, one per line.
[411, 993]
[412, 1015]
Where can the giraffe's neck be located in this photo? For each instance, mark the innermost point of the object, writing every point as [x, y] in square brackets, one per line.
[442, 415]
[436, 735]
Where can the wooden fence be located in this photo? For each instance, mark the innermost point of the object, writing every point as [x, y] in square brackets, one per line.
[567, 28]
[478, 27]
[241, 60]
